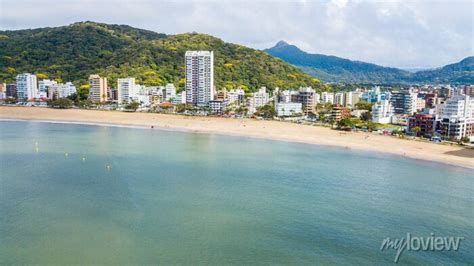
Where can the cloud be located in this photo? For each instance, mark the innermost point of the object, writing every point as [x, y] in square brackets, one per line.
[416, 33]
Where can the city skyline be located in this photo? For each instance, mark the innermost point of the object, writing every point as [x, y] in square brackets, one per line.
[359, 30]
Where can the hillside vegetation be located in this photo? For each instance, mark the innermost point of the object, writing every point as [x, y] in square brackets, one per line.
[341, 70]
[75, 51]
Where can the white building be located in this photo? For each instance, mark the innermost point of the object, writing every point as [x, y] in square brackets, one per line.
[288, 108]
[26, 87]
[382, 112]
[65, 90]
[126, 90]
[169, 91]
[327, 97]
[199, 77]
[457, 117]
[259, 98]
[317, 98]
[339, 98]
[236, 96]
[45, 88]
[347, 102]
[143, 99]
[180, 98]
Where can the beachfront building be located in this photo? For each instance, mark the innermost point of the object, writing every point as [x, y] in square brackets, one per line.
[404, 102]
[179, 98]
[127, 90]
[339, 112]
[382, 112]
[64, 90]
[199, 77]
[422, 124]
[45, 87]
[236, 96]
[259, 98]
[217, 106]
[307, 97]
[97, 88]
[11, 90]
[457, 117]
[288, 108]
[169, 91]
[26, 87]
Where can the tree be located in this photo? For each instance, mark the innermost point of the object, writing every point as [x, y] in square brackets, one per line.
[371, 126]
[133, 106]
[345, 123]
[465, 139]
[85, 103]
[362, 105]
[366, 116]
[321, 116]
[399, 133]
[61, 103]
[266, 111]
[416, 130]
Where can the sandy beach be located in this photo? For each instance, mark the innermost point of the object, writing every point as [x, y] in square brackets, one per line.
[454, 155]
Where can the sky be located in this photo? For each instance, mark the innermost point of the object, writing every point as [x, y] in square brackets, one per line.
[397, 33]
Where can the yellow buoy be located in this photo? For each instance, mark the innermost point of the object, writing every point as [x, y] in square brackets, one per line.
[108, 167]
[83, 158]
[66, 154]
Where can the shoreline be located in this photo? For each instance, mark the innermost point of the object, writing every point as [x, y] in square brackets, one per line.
[259, 129]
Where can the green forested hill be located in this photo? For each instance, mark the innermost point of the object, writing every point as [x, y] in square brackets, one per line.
[75, 51]
[341, 70]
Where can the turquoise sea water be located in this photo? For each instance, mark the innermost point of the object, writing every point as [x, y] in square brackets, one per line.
[74, 194]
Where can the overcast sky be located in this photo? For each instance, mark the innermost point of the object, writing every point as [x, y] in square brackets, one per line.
[407, 34]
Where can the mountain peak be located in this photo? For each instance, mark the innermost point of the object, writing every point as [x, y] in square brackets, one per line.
[281, 44]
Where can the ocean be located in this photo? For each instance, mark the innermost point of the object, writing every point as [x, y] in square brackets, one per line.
[85, 194]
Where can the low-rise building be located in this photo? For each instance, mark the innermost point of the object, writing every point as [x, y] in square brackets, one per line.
[288, 109]
[339, 112]
[258, 99]
[400, 119]
[180, 98]
[236, 96]
[217, 106]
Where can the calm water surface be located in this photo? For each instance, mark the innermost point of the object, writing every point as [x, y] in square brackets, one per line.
[91, 194]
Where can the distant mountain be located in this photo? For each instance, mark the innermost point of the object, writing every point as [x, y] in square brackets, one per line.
[461, 72]
[73, 52]
[341, 70]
